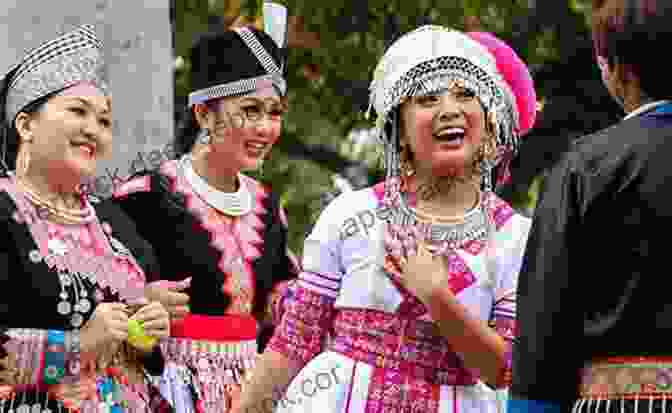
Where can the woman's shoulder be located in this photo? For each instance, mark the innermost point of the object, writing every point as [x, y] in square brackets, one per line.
[352, 202]
[351, 212]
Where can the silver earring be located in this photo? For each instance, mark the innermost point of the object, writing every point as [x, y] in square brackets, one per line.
[204, 136]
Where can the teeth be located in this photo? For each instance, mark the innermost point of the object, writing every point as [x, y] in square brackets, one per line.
[451, 131]
[256, 145]
[86, 148]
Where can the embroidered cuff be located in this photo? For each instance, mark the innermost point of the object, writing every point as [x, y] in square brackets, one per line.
[44, 357]
[307, 319]
[505, 326]
[277, 301]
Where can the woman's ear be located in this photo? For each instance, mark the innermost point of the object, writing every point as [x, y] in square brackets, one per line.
[24, 126]
[202, 115]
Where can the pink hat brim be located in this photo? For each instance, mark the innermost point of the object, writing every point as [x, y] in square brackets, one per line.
[517, 76]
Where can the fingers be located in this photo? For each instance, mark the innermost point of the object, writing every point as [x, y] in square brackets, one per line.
[152, 311]
[178, 312]
[157, 328]
[170, 298]
[117, 329]
[154, 319]
[116, 321]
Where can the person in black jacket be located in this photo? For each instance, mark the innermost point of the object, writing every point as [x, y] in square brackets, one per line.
[593, 293]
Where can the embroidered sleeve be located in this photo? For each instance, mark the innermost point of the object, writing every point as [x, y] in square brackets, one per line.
[503, 315]
[503, 320]
[309, 304]
[277, 301]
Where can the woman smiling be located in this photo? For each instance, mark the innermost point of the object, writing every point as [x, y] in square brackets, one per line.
[72, 273]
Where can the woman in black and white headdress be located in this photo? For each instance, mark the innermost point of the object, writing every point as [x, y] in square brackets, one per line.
[209, 223]
[414, 279]
[72, 273]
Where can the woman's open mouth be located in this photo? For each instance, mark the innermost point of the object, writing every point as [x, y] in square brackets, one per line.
[452, 136]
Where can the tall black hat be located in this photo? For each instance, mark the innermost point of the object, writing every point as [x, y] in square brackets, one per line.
[235, 62]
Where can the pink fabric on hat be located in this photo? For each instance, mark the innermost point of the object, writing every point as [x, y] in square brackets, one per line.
[517, 76]
[81, 89]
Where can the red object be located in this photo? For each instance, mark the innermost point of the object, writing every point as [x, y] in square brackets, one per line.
[113, 371]
[215, 328]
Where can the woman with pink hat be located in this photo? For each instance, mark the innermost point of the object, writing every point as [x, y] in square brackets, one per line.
[415, 278]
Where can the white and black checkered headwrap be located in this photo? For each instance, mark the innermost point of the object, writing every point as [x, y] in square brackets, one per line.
[273, 74]
[71, 58]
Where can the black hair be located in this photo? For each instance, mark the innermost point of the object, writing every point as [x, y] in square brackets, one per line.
[11, 138]
[187, 130]
[220, 57]
[627, 31]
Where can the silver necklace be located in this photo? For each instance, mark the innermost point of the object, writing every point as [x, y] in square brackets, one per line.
[234, 204]
[475, 225]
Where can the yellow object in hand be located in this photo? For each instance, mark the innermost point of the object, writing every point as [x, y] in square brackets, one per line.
[137, 337]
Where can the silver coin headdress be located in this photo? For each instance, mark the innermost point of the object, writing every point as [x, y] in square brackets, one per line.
[74, 57]
[427, 60]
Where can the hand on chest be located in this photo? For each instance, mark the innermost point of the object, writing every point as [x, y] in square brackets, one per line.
[371, 280]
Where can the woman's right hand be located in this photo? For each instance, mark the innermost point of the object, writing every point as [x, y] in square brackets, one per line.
[109, 322]
[169, 293]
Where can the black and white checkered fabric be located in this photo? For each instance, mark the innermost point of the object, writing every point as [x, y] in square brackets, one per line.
[243, 86]
[56, 64]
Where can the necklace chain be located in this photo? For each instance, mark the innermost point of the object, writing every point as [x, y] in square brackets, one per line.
[65, 215]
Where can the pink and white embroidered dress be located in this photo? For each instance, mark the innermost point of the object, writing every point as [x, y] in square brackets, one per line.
[385, 355]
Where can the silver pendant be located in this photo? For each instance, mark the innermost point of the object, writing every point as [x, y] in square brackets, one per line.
[66, 279]
[77, 320]
[24, 408]
[57, 247]
[84, 305]
[35, 256]
[36, 408]
[64, 308]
